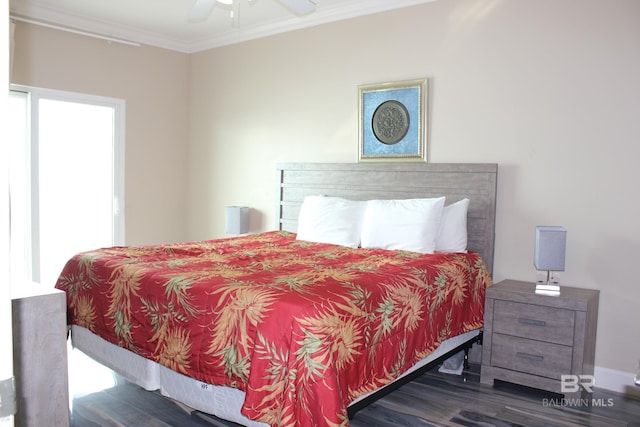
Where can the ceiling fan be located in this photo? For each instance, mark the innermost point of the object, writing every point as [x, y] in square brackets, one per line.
[202, 8]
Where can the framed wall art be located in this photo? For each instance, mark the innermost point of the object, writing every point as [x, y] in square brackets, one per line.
[393, 121]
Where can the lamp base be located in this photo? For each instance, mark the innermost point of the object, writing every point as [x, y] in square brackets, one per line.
[547, 288]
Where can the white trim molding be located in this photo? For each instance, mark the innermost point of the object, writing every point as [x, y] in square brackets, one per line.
[177, 36]
[614, 380]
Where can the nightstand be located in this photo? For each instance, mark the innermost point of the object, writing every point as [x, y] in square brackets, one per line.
[533, 340]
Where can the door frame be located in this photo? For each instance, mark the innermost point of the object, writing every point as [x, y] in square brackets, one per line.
[6, 339]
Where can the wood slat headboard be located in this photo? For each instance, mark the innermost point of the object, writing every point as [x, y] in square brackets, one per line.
[365, 181]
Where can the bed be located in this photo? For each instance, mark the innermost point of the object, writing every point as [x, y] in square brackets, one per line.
[290, 322]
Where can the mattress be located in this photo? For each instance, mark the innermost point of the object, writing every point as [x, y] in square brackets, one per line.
[221, 401]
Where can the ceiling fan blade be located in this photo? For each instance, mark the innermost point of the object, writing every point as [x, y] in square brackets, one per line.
[299, 7]
[201, 10]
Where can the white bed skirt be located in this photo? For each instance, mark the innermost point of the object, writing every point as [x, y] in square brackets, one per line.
[221, 401]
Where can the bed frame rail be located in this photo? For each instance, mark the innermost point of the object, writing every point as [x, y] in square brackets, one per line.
[354, 408]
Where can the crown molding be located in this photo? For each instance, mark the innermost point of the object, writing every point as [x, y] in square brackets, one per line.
[346, 10]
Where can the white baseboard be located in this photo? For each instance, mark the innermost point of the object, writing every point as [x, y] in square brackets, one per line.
[618, 381]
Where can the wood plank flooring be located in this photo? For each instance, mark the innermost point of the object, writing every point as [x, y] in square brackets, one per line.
[433, 399]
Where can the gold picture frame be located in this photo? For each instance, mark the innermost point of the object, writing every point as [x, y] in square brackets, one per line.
[393, 121]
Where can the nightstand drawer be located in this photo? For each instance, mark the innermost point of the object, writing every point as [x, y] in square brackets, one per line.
[533, 357]
[554, 325]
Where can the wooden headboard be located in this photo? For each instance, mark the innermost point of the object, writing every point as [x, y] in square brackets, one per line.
[365, 181]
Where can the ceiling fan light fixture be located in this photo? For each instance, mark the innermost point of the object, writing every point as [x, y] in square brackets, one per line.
[201, 9]
[299, 7]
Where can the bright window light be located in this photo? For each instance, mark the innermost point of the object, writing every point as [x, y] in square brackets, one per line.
[75, 156]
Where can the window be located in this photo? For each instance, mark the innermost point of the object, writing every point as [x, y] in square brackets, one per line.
[66, 179]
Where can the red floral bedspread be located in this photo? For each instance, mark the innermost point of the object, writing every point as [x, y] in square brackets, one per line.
[303, 328]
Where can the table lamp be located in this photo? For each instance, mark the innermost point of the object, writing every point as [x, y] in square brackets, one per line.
[551, 242]
[236, 220]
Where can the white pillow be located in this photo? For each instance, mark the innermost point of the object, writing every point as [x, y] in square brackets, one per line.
[452, 236]
[410, 224]
[331, 220]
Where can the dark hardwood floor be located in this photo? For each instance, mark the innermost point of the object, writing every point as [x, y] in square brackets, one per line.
[101, 398]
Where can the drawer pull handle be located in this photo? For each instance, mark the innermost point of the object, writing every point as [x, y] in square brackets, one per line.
[532, 322]
[532, 357]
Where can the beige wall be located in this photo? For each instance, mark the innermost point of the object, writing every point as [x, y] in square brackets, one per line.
[154, 83]
[546, 88]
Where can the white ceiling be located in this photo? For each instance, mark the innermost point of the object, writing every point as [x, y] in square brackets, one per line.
[164, 23]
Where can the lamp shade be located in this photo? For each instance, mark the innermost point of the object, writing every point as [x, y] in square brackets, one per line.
[236, 219]
[551, 242]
